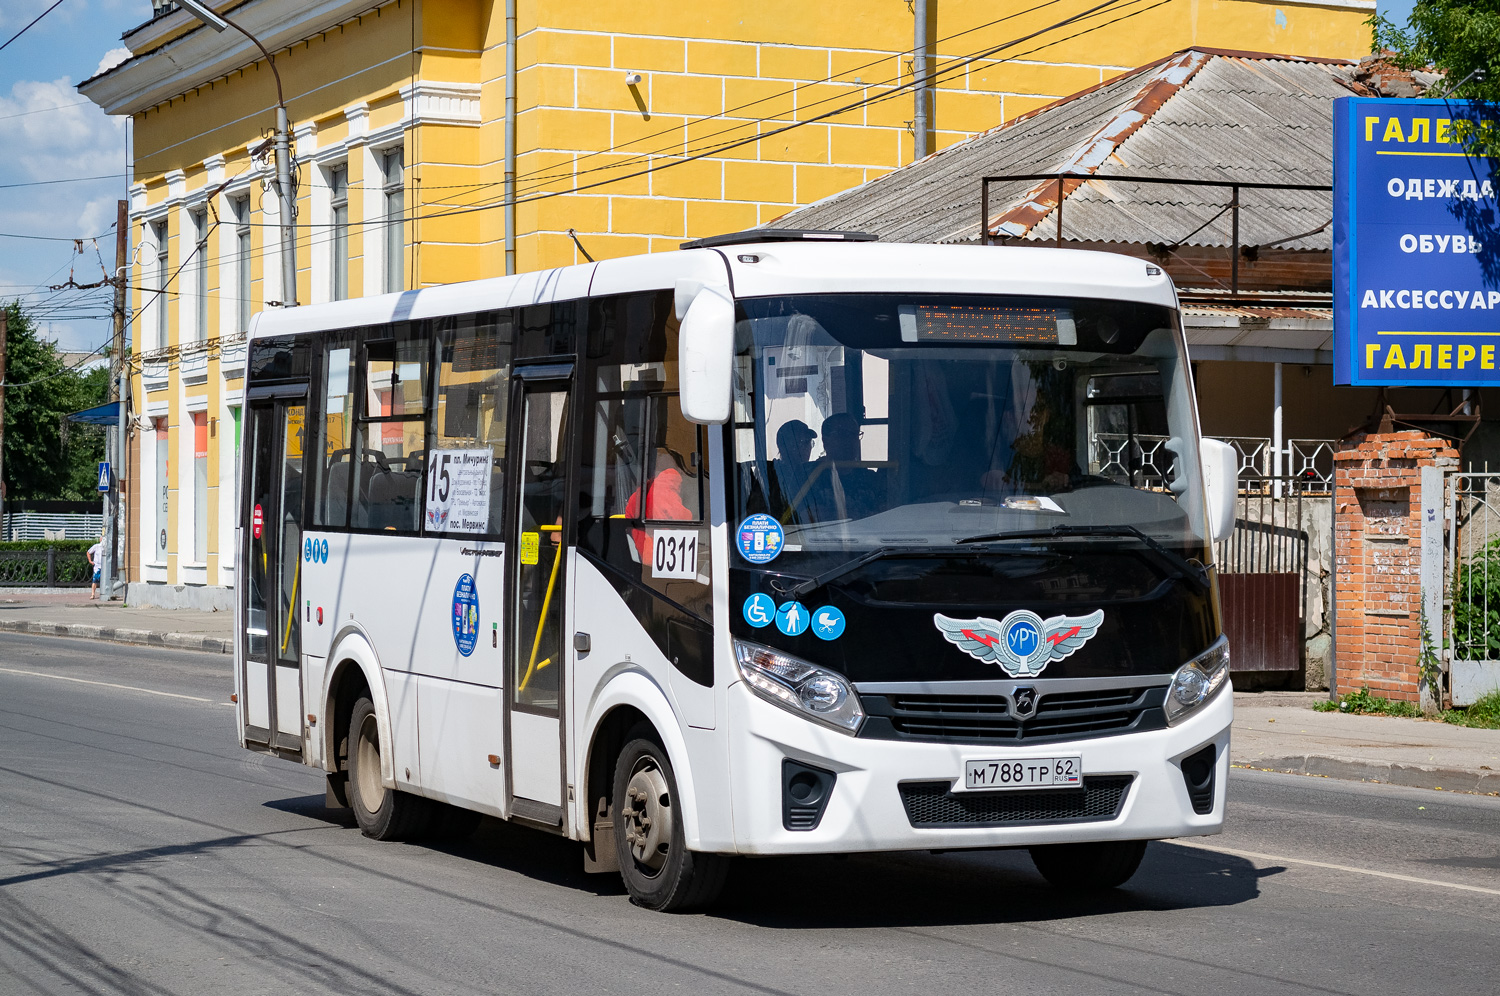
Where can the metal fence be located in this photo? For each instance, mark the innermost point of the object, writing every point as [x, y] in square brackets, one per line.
[1144, 461]
[52, 525]
[49, 568]
[1275, 573]
[1471, 641]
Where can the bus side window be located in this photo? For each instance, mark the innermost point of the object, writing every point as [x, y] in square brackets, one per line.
[471, 407]
[329, 460]
[391, 463]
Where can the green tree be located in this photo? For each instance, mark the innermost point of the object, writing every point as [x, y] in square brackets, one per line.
[1461, 39]
[46, 458]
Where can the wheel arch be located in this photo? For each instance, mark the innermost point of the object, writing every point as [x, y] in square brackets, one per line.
[358, 668]
[625, 699]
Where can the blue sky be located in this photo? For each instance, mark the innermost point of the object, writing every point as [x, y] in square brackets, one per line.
[46, 139]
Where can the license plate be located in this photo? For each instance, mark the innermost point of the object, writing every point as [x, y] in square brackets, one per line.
[1023, 773]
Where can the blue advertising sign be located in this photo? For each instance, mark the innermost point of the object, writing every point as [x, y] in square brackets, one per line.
[1416, 249]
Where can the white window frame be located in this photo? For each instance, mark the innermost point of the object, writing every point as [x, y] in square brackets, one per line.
[161, 237]
[392, 215]
[197, 216]
[338, 231]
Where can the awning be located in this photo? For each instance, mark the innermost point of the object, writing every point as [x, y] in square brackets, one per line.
[106, 414]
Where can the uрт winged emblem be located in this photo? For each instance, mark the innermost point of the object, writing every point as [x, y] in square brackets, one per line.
[1023, 643]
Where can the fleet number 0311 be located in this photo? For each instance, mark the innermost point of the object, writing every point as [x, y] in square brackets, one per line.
[674, 553]
[1028, 772]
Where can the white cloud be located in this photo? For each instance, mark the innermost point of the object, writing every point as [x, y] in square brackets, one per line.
[111, 59]
[57, 134]
[52, 141]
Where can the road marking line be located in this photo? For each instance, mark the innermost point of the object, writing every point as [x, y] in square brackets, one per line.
[1343, 868]
[106, 684]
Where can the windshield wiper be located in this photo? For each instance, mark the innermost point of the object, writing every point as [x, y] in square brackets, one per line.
[1181, 566]
[850, 566]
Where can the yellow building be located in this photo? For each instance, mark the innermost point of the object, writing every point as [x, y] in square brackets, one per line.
[635, 126]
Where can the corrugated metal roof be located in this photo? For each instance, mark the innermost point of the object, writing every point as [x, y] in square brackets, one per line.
[1199, 114]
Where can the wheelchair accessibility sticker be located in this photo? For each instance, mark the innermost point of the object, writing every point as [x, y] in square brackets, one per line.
[759, 610]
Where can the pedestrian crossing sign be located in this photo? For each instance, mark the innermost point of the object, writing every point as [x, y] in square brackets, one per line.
[104, 475]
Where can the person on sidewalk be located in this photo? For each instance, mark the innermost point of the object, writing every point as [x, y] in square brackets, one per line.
[96, 559]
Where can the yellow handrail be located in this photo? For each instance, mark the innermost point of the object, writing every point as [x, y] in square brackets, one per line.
[541, 623]
[287, 636]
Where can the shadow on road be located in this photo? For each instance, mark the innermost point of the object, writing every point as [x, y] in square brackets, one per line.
[899, 889]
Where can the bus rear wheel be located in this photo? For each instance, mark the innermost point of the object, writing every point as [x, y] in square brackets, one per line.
[382, 813]
[660, 873]
[1091, 867]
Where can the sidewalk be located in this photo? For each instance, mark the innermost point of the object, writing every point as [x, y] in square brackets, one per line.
[1278, 731]
[69, 612]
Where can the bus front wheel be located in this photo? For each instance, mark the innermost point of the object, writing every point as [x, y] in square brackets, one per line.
[1091, 867]
[382, 813]
[660, 873]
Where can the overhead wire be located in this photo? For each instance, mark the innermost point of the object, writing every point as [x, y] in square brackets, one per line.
[31, 25]
[312, 240]
[895, 83]
[953, 66]
[833, 78]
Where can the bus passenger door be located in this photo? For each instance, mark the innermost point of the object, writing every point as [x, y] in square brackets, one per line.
[537, 550]
[272, 648]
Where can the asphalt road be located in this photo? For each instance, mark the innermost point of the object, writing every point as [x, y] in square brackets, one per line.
[143, 852]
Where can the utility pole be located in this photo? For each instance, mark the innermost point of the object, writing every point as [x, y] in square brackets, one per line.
[118, 366]
[921, 113]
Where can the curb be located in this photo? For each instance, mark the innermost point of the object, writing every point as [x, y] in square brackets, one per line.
[1382, 772]
[111, 634]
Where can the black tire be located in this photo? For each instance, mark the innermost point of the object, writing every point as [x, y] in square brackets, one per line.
[382, 813]
[660, 873]
[1092, 867]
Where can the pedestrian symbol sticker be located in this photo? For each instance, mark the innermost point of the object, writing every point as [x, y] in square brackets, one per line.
[760, 538]
[104, 475]
[791, 618]
[759, 610]
[465, 614]
[827, 623]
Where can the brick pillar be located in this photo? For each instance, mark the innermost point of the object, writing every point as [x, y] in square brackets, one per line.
[1377, 502]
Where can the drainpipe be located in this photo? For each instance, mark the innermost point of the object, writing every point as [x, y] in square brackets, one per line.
[919, 76]
[510, 136]
[1276, 440]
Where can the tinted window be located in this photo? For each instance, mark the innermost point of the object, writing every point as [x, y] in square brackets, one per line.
[279, 358]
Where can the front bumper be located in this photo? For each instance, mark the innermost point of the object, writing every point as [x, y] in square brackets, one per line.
[866, 812]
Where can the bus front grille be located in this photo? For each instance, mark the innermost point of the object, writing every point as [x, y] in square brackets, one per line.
[932, 804]
[988, 719]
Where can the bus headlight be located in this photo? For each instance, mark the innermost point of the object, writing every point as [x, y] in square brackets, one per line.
[1198, 680]
[800, 687]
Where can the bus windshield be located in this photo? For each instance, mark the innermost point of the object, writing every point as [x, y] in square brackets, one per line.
[865, 422]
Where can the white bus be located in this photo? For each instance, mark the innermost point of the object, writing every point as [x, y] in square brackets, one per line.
[809, 545]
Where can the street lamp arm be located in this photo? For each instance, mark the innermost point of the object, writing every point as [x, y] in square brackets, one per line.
[270, 59]
[218, 22]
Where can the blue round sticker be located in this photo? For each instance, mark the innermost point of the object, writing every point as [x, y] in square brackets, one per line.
[760, 538]
[792, 618]
[307, 549]
[1022, 637]
[759, 610]
[827, 623]
[465, 614]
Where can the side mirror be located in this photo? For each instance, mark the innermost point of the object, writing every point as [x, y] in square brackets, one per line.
[705, 354]
[1221, 485]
